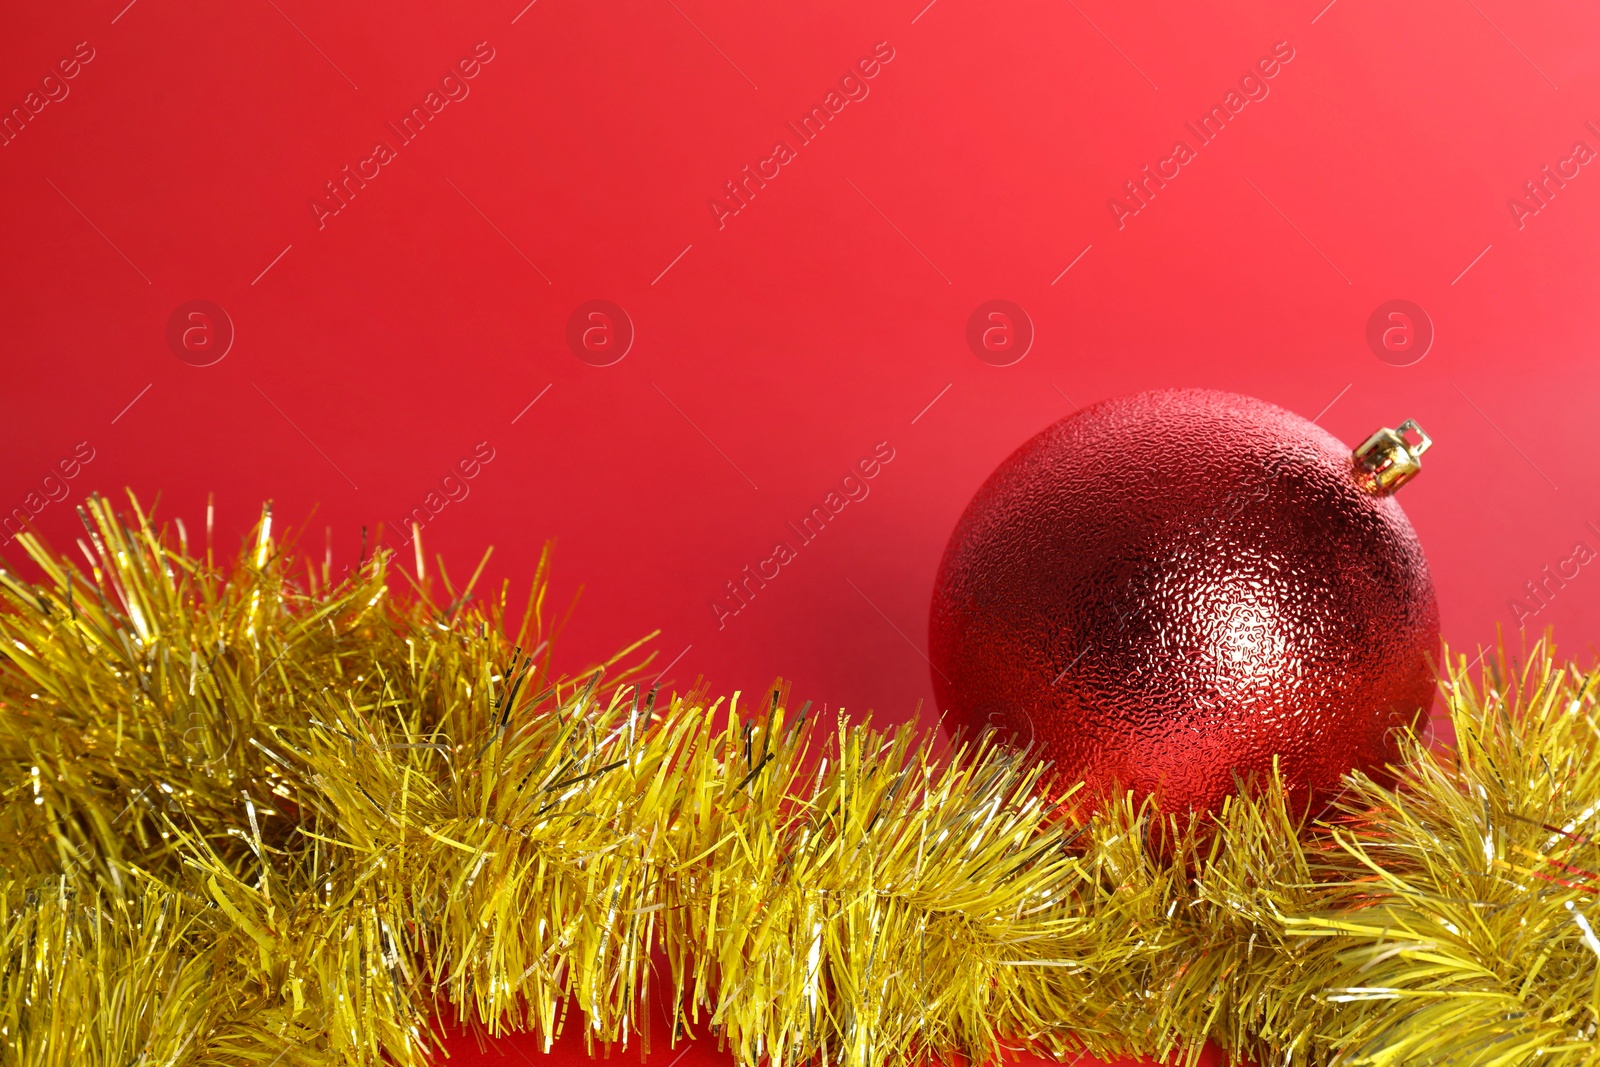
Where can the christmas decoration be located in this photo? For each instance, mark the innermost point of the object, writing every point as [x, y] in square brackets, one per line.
[1171, 591]
[253, 816]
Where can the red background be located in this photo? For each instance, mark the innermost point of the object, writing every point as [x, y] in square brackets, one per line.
[373, 353]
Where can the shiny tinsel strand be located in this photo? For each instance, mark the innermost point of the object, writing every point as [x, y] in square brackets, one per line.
[257, 816]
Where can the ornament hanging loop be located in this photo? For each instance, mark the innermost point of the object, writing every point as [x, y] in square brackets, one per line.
[1391, 458]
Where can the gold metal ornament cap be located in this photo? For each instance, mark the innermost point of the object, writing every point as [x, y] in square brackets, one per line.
[1390, 458]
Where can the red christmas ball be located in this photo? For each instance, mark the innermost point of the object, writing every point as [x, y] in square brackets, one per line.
[1165, 591]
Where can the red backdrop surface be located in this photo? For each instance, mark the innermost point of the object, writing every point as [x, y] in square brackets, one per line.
[392, 279]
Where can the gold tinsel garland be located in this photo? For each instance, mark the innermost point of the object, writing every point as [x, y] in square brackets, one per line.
[254, 816]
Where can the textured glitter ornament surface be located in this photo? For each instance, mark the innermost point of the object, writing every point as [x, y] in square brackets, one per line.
[1169, 589]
